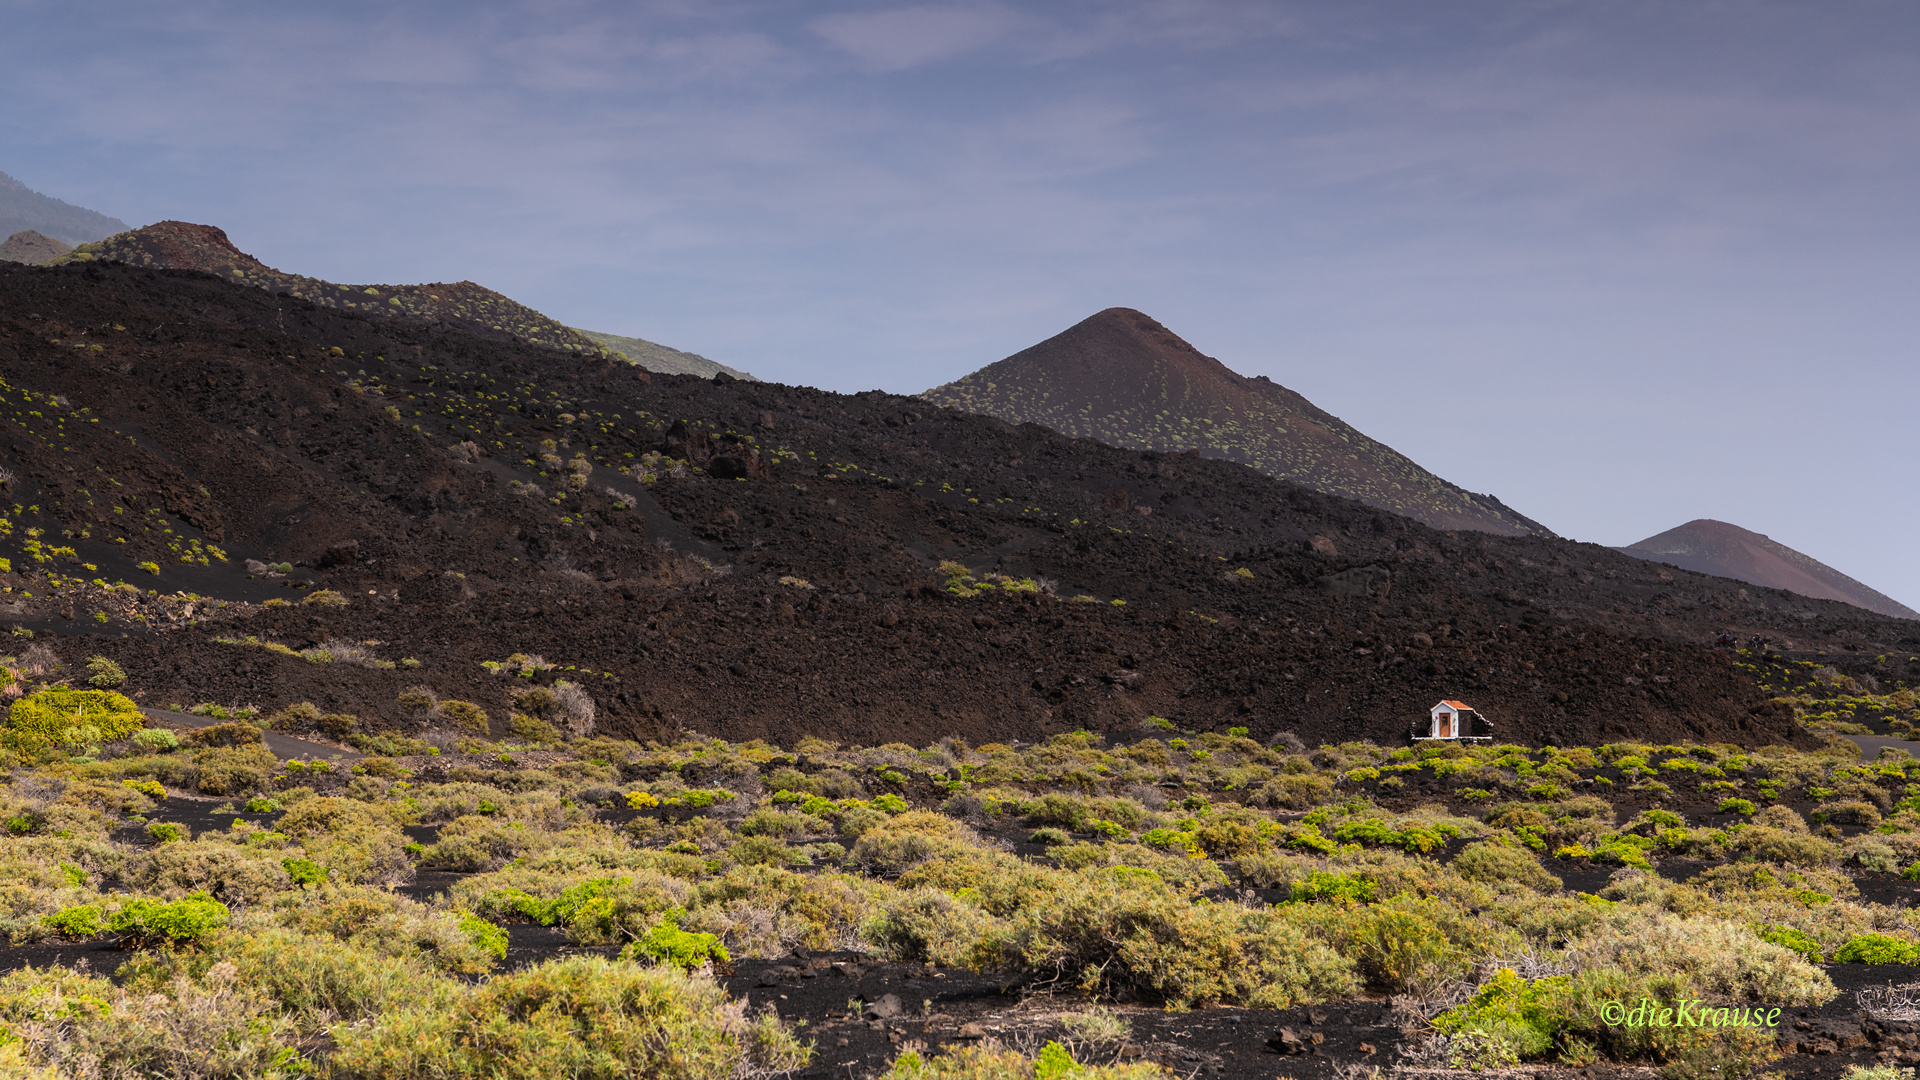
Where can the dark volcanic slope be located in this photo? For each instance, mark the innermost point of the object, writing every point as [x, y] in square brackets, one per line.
[781, 579]
[28, 246]
[1126, 380]
[1715, 547]
[23, 208]
[462, 305]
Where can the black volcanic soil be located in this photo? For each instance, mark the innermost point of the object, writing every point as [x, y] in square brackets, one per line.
[224, 418]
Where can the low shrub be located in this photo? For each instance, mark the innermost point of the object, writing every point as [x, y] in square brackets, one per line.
[1789, 938]
[1491, 861]
[156, 740]
[211, 865]
[79, 921]
[211, 1025]
[932, 927]
[148, 922]
[1877, 949]
[466, 716]
[578, 1016]
[63, 716]
[666, 943]
[1716, 957]
[1119, 932]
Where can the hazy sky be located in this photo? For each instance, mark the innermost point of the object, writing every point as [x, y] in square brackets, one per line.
[1623, 264]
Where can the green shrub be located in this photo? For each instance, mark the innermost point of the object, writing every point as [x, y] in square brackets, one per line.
[60, 715]
[1510, 1014]
[466, 716]
[322, 980]
[893, 845]
[1293, 792]
[235, 771]
[188, 919]
[105, 673]
[1048, 837]
[156, 740]
[489, 937]
[666, 943]
[213, 1024]
[1716, 957]
[1877, 949]
[764, 851]
[1321, 886]
[1405, 942]
[1789, 938]
[534, 729]
[79, 921]
[578, 1016]
[304, 871]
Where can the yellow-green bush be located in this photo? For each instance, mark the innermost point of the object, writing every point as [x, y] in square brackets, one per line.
[1717, 957]
[579, 1016]
[763, 911]
[1490, 861]
[1124, 932]
[60, 715]
[234, 875]
[1404, 942]
[933, 927]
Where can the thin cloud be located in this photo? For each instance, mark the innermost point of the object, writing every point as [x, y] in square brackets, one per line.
[902, 38]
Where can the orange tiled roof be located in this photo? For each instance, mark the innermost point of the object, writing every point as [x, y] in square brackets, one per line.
[1461, 705]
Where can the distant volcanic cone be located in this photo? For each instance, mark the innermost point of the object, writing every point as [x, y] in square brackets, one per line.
[1124, 379]
[1723, 550]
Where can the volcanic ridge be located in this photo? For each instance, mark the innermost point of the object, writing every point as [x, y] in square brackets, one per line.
[758, 560]
[1124, 379]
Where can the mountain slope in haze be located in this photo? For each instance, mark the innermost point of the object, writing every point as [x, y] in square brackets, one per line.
[1124, 379]
[23, 208]
[31, 247]
[1715, 547]
[463, 305]
[661, 358]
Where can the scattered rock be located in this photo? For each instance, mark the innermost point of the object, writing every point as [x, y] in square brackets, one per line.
[1286, 1042]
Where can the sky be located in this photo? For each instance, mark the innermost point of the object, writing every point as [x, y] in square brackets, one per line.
[1622, 264]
